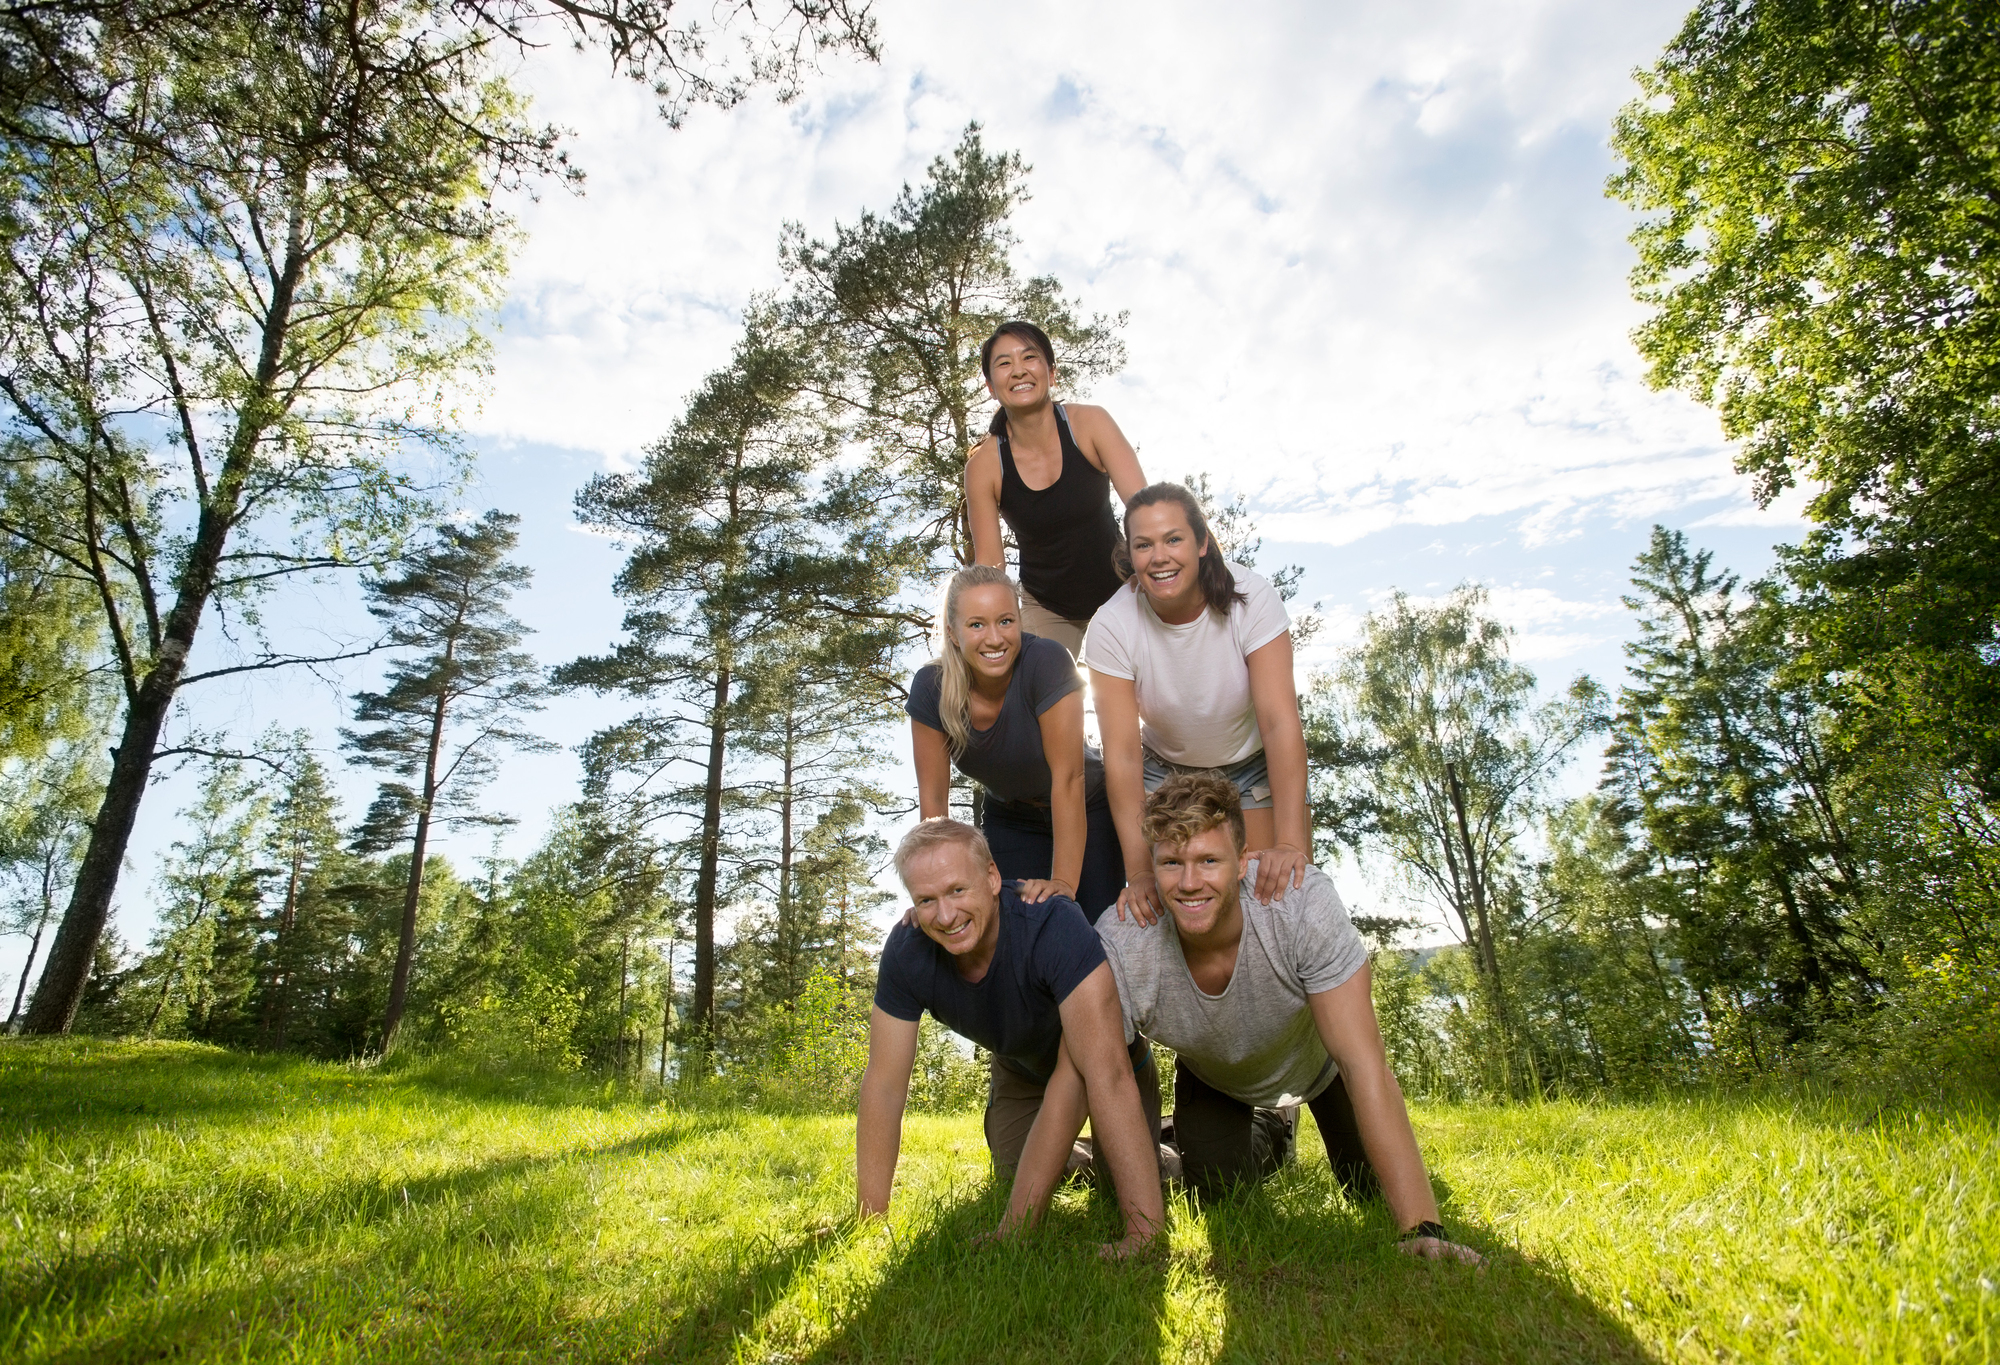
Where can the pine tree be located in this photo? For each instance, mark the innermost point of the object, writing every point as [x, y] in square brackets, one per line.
[449, 709]
[744, 531]
[897, 306]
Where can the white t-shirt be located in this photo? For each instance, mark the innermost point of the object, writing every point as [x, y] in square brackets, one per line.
[1192, 681]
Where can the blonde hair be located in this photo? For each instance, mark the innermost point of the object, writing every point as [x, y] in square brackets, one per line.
[954, 677]
[934, 833]
[1191, 804]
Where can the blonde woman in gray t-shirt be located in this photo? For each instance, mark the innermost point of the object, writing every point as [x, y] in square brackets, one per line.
[1266, 1007]
[1191, 667]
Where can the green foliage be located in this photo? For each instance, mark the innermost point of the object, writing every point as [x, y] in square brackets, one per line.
[1820, 249]
[754, 553]
[823, 1047]
[51, 633]
[174, 1198]
[897, 305]
[1456, 757]
[1723, 761]
[943, 1080]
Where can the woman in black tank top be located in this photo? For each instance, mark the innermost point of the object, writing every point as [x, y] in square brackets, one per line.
[1048, 470]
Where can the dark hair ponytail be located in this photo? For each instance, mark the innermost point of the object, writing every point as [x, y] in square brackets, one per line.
[1026, 331]
[1218, 586]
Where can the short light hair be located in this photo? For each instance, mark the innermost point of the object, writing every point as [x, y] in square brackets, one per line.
[935, 833]
[1191, 804]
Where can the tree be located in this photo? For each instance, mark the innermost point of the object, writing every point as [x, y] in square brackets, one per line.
[246, 254]
[448, 709]
[1462, 758]
[743, 531]
[51, 51]
[813, 706]
[1822, 253]
[898, 306]
[1721, 757]
[51, 660]
[44, 809]
[303, 841]
[210, 877]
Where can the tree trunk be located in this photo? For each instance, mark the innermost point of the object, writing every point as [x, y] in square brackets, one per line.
[667, 1011]
[75, 947]
[406, 944]
[277, 1008]
[34, 946]
[711, 855]
[787, 931]
[166, 989]
[624, 977]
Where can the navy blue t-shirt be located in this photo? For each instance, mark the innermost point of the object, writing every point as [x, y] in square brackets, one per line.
[1045, 952]
[1007, 757]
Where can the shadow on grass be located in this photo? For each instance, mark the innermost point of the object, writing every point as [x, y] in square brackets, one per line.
[1044, 1297]
[1306, 1275]
[91, 1089]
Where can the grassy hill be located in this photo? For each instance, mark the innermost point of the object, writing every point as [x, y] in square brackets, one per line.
[175, 1202]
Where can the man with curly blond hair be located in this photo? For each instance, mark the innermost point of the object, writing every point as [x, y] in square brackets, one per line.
[1267, 1006]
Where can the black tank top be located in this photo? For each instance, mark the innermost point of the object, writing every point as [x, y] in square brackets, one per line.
[1066, 532]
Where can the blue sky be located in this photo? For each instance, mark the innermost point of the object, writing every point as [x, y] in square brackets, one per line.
[1372, 278]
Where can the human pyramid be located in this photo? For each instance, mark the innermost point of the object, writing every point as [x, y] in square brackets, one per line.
[1224, 944]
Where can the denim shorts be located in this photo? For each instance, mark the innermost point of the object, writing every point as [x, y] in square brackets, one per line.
[1252, 777]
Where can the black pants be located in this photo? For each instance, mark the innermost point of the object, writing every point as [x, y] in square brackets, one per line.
[1025, 848]
[1225, 1142]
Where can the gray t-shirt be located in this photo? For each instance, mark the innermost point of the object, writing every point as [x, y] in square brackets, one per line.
[1256, 1042]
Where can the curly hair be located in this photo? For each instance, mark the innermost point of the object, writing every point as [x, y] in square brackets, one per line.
[1190, 804]
[935, 833]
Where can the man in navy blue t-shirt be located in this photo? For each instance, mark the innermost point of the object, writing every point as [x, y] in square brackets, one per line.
[1028, 982]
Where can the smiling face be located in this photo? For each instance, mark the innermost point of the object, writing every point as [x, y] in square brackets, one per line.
[957, 899]
[1165, 551]
[1200, 883]
[987, 628]
[1018, 375]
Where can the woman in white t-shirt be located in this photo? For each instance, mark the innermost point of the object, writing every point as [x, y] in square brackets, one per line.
[1191, 667]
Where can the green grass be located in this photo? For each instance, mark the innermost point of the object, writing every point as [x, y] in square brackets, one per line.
[174, 1202]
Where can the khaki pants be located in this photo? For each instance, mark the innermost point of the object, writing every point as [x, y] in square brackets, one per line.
[1037, 619]
[1014, 1100]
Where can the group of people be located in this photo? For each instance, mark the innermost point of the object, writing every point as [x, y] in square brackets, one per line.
[1159, 890]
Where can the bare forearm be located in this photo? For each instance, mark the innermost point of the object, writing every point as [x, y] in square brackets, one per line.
[1046, 1154]
[1067, 815]
[878, 1137]
[1286, 757]
[1129, 1147]
[1125, 789]
[1391, 1144]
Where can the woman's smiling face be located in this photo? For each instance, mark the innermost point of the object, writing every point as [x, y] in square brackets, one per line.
[1165, 552]
[1018, 375]
[988, 630]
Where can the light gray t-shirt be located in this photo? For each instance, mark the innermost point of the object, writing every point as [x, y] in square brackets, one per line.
[1192, 681]
[1256, 1042]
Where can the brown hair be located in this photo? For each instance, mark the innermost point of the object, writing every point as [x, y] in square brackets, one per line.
[1218, 586]
[935, 833]
[1189, 804]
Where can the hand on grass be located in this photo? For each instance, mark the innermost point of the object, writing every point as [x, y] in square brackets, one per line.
[1277, 866]
[1141, 897]
[1438, 1249]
